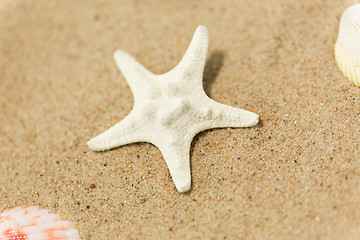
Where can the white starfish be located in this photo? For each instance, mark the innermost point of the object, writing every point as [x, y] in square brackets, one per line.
[170, 109]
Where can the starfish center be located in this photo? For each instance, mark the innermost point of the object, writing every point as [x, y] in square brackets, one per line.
[176, 108]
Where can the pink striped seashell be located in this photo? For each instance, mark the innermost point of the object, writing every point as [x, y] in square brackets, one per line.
[34, 224]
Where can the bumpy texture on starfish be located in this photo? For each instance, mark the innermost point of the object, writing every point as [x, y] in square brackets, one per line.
[170, 109]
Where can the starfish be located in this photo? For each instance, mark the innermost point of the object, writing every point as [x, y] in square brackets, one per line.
[170, 109]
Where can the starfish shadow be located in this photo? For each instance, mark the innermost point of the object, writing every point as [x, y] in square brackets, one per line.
[260, 124]
[212, 69]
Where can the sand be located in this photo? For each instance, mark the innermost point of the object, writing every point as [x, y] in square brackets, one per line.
[294, 176]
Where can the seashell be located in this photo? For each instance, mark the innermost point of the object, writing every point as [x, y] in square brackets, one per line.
[347, 46]
[34, 224]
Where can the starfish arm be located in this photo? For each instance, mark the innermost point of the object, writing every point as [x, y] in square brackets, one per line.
[134, 72]
[217, 115]
[191, 66]
[124, 132]
[176, 153]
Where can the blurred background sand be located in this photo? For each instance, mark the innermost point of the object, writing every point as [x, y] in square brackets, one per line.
[294, 176]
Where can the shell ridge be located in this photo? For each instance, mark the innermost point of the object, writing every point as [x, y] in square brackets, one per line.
[347, 45]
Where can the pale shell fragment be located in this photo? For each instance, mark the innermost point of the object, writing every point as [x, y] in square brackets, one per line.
[34, 224]
[347, 46]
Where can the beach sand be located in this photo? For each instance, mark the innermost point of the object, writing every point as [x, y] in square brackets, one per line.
[294, 176]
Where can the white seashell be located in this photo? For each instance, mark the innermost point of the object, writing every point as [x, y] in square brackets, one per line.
[34, 224]
[347, 46]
